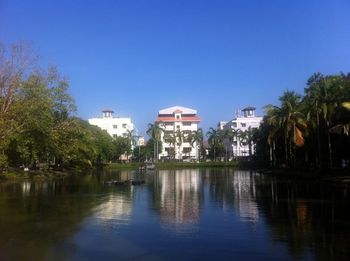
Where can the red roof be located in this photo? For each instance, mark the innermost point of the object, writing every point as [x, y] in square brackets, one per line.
[173, 119]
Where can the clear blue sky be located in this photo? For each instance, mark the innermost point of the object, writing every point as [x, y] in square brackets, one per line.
[137, 57]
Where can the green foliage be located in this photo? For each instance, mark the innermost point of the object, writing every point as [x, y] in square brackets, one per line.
[37, 128]
[122, 147]
[309, 131]
[154, 131]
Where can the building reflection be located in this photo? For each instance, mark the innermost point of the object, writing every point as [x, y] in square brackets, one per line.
[235, 191]
[116, 209]
[178, 197]
[244, 191]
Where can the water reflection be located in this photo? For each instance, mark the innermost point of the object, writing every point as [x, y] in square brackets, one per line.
[235, 192]
[244, 193]
[178, 197]
[116, 208]
[179, 214]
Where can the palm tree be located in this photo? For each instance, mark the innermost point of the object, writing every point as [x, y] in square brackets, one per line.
[245, 138]
[322, 96]
[131, 140]
[289, 121]
[170, 138]
[155, 132]
[274, 118]
[196, 137]
[228, 135]
[213, 139]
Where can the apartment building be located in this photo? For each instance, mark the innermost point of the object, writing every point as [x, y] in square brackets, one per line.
[115, 126]
[242, 126]
[178, 123]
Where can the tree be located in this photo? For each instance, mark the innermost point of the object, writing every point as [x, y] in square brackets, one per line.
[289, 122]
[196, 139]
[171, 138]
[215, 138]
[123, 147]
[15, 65]
[155, 132]
[228, 136]
[37, 128]
[324, 94]
[246, 138]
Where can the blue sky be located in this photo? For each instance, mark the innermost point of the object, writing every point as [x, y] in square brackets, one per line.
[137, 57]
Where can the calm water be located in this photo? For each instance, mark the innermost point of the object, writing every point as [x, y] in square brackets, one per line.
[205, 214]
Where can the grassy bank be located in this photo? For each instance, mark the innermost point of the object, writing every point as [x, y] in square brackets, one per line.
[183, 165]
[174, 165]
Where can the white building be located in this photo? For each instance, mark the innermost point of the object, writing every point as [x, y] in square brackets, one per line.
[242, 124]
[115, 126]
[175, 121]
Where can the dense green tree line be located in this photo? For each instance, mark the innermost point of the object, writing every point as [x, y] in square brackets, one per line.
[37, 123]
[309, 130]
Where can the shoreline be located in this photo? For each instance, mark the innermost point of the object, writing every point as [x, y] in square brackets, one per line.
[335, 177]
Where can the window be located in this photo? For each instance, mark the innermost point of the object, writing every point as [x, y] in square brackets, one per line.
[178, 127]
[115, 126]
[187, 132]
[234, 124]
[177, 116]
[186, 150]
[186, 123]
[124, 125]
[244, 124]
[115, 136]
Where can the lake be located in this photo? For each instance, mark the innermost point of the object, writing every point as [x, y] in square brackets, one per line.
[192, 214]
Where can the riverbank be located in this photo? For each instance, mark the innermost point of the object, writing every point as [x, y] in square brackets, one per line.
[175, 165]
[15, 174]
[335, 177]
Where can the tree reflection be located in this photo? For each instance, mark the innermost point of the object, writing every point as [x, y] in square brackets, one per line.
[307, 216]
[37, 215]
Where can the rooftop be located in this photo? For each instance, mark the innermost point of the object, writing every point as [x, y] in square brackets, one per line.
[177, 109]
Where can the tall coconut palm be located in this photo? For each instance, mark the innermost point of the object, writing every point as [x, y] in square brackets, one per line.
[228, 135]
[289, 121]
[170, 138]
[130, 135]
[322, 96]
[196, 138]
[213, 139]
[155, 132]
[179, 138]
[275, 119]
[245, 138]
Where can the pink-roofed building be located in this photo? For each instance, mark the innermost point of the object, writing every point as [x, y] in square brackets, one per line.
[175, 120]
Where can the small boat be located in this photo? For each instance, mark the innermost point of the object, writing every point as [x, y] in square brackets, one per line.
[118, 182]
[150, 166]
